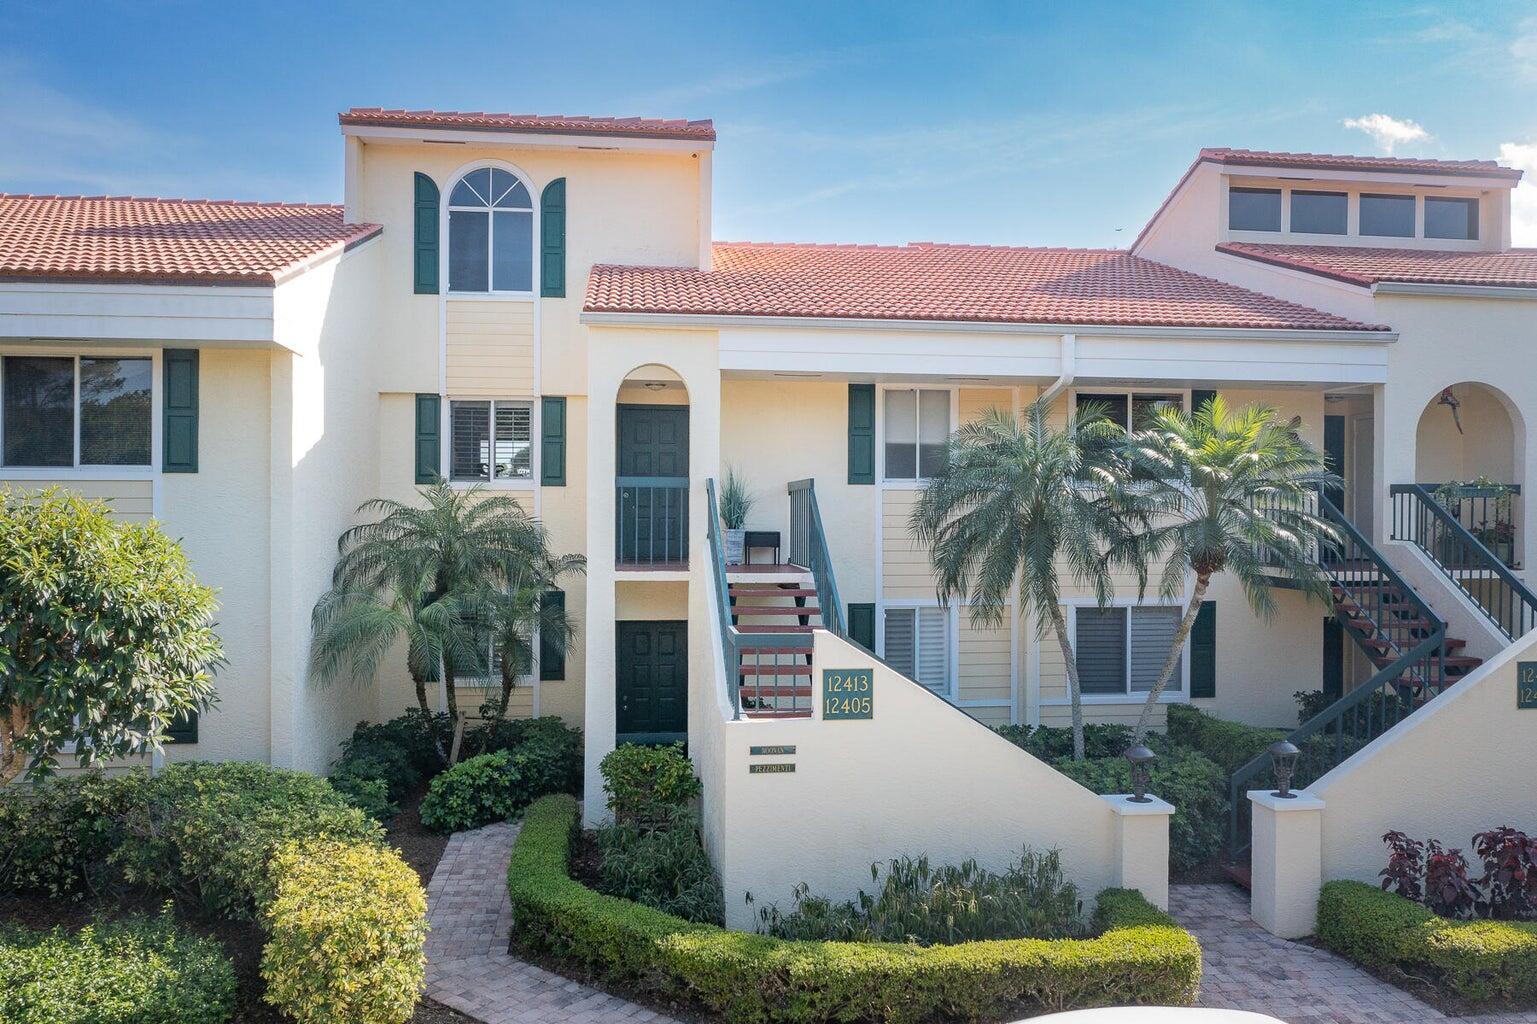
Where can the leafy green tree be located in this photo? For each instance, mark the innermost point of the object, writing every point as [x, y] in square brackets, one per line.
[443, 576]
[106, 638]
[1224, 490]
[1017, 502]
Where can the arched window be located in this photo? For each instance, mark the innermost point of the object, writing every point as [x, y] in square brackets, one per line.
[490, 233]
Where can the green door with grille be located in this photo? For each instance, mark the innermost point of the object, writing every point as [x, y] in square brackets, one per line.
[651, 691]
[652, 500]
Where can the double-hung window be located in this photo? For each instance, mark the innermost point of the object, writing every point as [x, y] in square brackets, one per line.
[68, 411]
[490, 440]
[1121, 650]
[917, 426]
[918, 645]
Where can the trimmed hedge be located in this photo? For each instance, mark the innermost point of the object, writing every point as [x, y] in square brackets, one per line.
[348, 929]
[1230, 744]
[1478, 961]
[1141, 956]
[137, 970]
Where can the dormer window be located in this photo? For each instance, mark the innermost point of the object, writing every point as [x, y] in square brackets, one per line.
[1447, 217]
[490, 233]
[1254, 209]
[1319, 213]
[1387, 216]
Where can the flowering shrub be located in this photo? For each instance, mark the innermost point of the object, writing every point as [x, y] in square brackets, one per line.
[1510, 872]
[1429, 873]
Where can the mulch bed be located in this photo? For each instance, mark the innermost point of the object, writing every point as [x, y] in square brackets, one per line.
[242, 940]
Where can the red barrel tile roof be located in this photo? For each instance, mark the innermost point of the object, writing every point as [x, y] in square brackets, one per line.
[1331, 161]
[119, 238]
[925, 281]
[555, 124]
[1513, 268]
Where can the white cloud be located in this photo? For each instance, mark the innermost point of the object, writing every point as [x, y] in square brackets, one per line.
[1523, 49]
[1387, 131]
[1523, 201]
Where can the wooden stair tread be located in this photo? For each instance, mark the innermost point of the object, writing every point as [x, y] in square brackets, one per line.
[774, 670]
[768, 590]
[776, 712]
[762, 691]
[776, 629]
[746, 650]
[789, 609]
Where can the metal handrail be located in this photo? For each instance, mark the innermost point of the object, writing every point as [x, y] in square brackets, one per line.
[806, 527]
[1421, 520]
[1371, 709]
[665, 498]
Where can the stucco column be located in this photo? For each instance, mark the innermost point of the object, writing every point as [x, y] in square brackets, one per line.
[599, 719]
[1142, 846]
[1287, 861]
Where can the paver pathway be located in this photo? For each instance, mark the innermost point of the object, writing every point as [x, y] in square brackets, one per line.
[468, 966]
[1247, 968]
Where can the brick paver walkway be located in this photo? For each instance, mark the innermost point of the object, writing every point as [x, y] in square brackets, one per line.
[468, 966]
[1247, 968]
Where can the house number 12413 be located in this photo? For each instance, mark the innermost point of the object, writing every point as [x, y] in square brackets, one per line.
[848, 695]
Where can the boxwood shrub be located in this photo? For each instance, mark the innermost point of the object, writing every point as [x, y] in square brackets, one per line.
[1477, 961]
[137, 970]
[1230, 744]
[348, 928]
[1140, 956]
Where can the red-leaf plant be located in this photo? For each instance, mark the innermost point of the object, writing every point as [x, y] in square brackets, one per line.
[1448, 890]
[1510, 872]
[1406, 866]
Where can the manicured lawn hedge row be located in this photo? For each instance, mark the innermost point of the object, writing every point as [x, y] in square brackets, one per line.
[132, 971]
[1140, 957]
[1230, 744]
[1478, 961]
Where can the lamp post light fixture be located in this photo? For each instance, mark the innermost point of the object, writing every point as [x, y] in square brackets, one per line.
[1283, 761]
[1141, 760]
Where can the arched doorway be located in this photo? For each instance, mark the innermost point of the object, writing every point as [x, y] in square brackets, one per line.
[651, 469]
[1469, 448]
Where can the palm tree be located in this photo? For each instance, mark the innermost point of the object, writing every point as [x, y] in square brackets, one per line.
[523, 616]
[1224, 490]
[1016, 501]
[436, 575]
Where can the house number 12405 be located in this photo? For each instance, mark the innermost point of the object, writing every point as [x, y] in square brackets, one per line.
[848, 694]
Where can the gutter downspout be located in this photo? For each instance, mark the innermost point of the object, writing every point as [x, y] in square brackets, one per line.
[1069, 364]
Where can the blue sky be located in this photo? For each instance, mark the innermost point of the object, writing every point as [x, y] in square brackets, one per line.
[1012, 123]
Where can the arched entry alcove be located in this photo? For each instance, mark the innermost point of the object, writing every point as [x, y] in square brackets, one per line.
[651, 468]
[1472, 434]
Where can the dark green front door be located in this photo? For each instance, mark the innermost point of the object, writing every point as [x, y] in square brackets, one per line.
[651, 691]
[653, 484]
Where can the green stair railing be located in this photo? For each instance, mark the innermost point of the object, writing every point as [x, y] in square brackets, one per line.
[1415, 640]
[808, 548]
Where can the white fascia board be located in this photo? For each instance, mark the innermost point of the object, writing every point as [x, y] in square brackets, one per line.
[137, 312]
[702, 321]
[1306, 174]
[1234, 360]
[887, 353]
[529, 140]
[1458, 291]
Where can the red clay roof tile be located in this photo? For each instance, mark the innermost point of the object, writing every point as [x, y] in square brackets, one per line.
[555, 124]
[122, 238]
[1365, 266]
[1331, 161]
[948, 283]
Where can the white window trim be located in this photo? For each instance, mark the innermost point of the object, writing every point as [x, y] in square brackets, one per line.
[1353, 192]
[446, 445]
[1129, 696]
[908, 483]
[443, 238]
[952, 639]
[1089, 389]
[90, 471]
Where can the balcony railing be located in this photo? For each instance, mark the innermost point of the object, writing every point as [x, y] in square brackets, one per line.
[651, 521]
[808, 549]
[1422, 517]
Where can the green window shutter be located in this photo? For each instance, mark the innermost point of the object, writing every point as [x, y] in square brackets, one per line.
[552, 240]
[425, 264]
[552, 442]
[183, 729]
[1203, 651]
[179, 370]
[552, 661]
[428, 434]
[862, 625]
[1200, 398]
[861, 433]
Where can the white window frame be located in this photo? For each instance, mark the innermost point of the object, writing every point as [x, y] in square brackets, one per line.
[1353, 191]
[1129, 393]
[908, 483]
[86, 470]
[493, 680]
[1127, 696]
[952, 639]
[446, 453]
[445, 240]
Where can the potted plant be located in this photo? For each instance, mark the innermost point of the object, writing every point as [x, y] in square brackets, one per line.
[735, 504]
[1488, 518]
